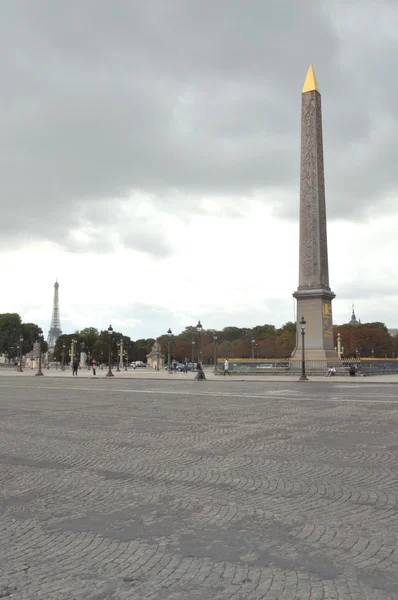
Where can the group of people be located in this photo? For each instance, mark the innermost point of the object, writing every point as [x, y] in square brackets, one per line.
[199, 375]
[352, 371]
[75, 366]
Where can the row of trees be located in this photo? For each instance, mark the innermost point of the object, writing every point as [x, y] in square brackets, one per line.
[12, 330]
[231, 341]
[367, 339]
[95, 344]
[262, 341]
[266, 341]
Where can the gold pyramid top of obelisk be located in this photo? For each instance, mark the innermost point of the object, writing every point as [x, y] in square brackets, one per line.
[310, 82]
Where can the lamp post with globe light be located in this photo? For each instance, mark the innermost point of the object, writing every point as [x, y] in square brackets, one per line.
[193, 353]
[63, 357]
[119, 346]
[199, 329]
[169, 338]
[39, 371]
[20, 370]
[215, 351]
[303, 376]
[110, 331]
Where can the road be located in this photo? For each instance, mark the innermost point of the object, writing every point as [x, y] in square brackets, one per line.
[224, 490]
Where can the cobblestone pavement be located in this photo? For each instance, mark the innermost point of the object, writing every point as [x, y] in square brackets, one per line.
[197, 490]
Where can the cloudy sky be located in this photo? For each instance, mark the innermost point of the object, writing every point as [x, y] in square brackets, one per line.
[150, 159]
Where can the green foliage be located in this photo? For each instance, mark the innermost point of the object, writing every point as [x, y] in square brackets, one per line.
[88, 336]
[229, 334]
[288, 327]
[67, 340]
[30, 334]
[269, 342]
[10, 330]
[100, 351]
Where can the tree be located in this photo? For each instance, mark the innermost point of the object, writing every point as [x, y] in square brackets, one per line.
[100, 351]
[364, 338]
[377, 325]
[395, 345]
[88, 336]
[30, 334]
[287, 339]
[229, 334]
[10, 331]
[67, 340]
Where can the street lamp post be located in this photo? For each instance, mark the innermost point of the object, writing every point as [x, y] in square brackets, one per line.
[102, 359]
[193, 353]
[215, 351]
[126, 362]
[169, 336]
[39, 372]
[121, 354]
[253, 342]
[20, 354]
[110, 331]
[302, 325]
[119, 345]
[199, 329]
[63, 358]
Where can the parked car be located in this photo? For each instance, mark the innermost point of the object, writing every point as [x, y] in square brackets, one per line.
[195, 366]
[139, 363]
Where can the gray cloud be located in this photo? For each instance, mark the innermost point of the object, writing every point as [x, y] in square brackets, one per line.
[102, 100]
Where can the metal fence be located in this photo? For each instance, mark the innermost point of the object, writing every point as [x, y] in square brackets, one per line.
[292, 366]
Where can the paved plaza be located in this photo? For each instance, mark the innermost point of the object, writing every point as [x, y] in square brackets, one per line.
[184, 490]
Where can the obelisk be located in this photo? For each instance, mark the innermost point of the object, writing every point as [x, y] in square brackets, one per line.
[314, 296]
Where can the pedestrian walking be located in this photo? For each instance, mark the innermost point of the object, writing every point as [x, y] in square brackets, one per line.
[75, 366]
[186, 366]
[226, 366]
[94, 366]
[200, 374]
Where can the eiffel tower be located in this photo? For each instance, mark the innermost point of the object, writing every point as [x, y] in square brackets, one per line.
[55, 329]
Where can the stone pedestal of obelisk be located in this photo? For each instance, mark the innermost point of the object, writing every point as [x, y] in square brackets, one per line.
[314, 296]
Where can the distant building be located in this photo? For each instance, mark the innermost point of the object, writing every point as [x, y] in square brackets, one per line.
[353, 318]
[393, 331]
